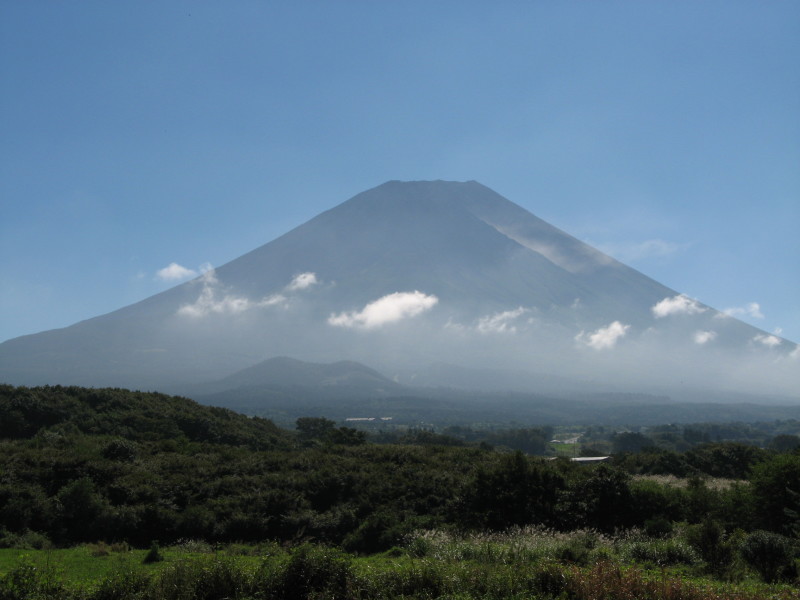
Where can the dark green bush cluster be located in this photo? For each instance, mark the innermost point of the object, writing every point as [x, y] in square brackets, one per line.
[771, 554]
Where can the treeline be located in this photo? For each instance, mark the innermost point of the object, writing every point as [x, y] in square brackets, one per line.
[84, 465]
[779, 435]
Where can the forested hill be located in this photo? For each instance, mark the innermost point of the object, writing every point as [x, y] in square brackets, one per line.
[135, 416]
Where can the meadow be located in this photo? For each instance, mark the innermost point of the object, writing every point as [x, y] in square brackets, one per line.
[530, 563]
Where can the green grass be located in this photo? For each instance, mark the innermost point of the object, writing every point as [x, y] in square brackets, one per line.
[568, 450]
[89, 564]
[530, 563]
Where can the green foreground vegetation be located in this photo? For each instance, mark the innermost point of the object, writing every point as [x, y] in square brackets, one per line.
[525, 563]
[118, 494]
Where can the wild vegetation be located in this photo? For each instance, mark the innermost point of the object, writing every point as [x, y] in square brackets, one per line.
[456, 514]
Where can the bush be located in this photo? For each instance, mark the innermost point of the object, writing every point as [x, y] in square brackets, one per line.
[120, 449]
[204, 578]
[27, 540]
[659, 527]
[315, 571]
[573, 553]
[25, 581]
[662, 552]
[770, 554]
[123, 584]
[710, 541]
[153, 555]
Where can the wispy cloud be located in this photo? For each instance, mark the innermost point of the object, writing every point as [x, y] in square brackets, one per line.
[703, 337]
[605, 337]
[215, 299]
[302, 281]
[768, 340]
[677, 305]
[388, 309]
[752, 309]
[175, 272]
[501, 322]
[635, 251]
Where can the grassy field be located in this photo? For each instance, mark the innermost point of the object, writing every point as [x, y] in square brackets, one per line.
[528, 563]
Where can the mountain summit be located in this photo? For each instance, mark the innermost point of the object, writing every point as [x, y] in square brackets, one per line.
[407, 274]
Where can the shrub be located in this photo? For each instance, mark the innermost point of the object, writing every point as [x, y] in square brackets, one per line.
[27, 540]
[770, 554]
[25, 581]
[153, 555]
[709, 539]
[123, 584]
[313, 570]
[120, 449]
[659, 527]
[662, 552]
[573, 553]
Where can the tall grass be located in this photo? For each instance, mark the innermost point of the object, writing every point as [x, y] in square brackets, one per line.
[529, 563]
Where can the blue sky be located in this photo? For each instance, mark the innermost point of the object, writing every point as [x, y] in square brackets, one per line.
[134, 135]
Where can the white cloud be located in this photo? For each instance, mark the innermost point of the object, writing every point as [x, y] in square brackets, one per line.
[302, 281]
[175, 272]
[208, 302]
[273, 300]
[214, 299]
[752, 309]
[388, 309]
[677, 305]
[501, 322]
[703, 337]
[605, 337]
[768, 340]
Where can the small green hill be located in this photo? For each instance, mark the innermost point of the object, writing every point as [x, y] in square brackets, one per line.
[137, 416]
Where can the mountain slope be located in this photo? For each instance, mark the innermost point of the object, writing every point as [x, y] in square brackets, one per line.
[402, 275]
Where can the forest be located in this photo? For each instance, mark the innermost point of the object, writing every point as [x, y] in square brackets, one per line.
[150, 473]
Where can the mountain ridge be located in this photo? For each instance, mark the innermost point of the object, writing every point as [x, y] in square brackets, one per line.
[408, 273]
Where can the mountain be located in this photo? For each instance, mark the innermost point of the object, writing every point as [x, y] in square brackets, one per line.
[345, 378]
[405, 275]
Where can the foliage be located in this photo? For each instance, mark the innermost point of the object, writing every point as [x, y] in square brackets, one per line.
[776, 485]
[114, 467]
[771, 554]
[153, 555]
[710, 540]
[512, 491]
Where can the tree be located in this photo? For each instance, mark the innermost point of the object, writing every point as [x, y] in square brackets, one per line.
[512, 492]
[775, 487]
[601, 501]
[784, 443]
[314, 428]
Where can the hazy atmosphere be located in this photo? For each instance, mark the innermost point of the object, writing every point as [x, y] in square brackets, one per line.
[142, 144]
[372, 300]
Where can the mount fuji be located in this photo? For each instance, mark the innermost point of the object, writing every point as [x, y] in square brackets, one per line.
[410, 274]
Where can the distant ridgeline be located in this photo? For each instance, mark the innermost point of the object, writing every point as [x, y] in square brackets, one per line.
[80, 465]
